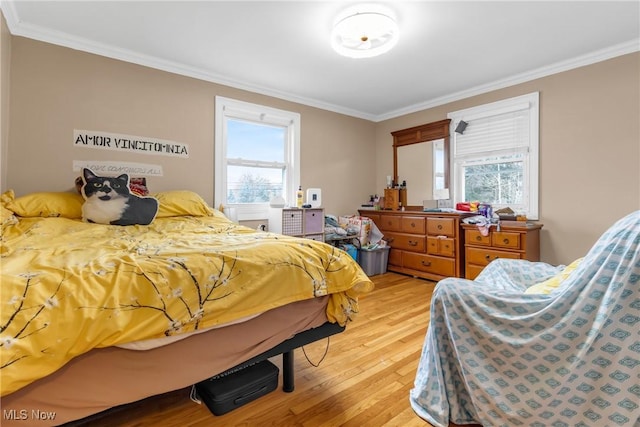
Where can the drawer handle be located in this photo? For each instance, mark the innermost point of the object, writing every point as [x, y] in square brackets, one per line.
[426, 263]
[439, 226]
[487, 257]
[413, 243]
[413, 224]
[478, 238]
[505, 241]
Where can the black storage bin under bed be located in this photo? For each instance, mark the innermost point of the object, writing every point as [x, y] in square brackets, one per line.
[232, 389]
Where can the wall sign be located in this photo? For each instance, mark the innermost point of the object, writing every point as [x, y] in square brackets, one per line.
[118, 168]
[134, 144]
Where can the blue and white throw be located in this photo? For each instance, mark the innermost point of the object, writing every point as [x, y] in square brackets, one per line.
[496, 356]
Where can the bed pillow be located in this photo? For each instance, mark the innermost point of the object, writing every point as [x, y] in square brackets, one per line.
[139, 186]
[550, 284]
[45, 204]
[6, 197]
[183, 203]
[7, 216]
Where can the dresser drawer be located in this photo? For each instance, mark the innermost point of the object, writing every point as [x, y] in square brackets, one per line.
[482, 256]
[372, 216]
[505, 239]
[317, 237]
[395, 257]
[408, 242]
[445, 246]
[313, 221]
[412, 224]
[292, 222]
[441, 226]
[474, 237]
[390, 223]
[471, 271]
[429, 264]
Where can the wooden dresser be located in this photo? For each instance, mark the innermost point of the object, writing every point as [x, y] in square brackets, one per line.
[517, 241]
[423, 244]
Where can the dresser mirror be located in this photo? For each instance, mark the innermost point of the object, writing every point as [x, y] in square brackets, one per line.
[439, 166]
[421, 158]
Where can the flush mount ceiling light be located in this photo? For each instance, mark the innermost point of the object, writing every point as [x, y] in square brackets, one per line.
[364, 31]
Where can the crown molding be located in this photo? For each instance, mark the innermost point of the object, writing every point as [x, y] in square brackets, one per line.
[18, 28]
[580, 61]
[10, 14]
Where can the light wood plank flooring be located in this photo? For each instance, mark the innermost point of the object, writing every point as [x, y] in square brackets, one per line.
[364, 380]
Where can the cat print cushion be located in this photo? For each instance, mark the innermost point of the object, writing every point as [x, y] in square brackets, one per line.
[108, 200]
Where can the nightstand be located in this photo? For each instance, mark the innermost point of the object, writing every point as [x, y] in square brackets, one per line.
[301, 222]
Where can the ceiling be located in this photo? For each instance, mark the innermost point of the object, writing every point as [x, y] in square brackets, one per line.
[448, 50]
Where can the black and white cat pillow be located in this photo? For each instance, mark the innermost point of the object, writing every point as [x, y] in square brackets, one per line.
[108, 200]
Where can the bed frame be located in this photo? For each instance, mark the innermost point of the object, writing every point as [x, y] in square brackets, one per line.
[285, 348]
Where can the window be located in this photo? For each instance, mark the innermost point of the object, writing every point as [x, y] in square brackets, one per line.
[257, 156]
[495, 159]
[439, 181]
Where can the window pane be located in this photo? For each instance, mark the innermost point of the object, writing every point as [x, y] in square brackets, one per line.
[495, 183]
[253, 184]
[255, 141]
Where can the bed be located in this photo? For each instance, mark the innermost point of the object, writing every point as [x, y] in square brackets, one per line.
[94, 316]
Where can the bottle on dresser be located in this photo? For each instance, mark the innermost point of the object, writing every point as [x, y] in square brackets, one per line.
[299, 195]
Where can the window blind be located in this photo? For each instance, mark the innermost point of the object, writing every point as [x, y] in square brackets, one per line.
[505, 131]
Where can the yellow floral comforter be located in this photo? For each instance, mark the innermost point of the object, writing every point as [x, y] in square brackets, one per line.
[69, 286]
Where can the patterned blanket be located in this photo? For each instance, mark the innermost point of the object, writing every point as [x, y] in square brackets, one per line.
[496, 356]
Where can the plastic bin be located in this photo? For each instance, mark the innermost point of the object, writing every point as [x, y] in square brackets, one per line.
[374, 261]
[351, 249]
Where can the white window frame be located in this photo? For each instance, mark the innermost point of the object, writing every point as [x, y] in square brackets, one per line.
[227, 108]
[529, 102]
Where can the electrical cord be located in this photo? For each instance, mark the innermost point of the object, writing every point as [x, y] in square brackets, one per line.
[326, 350]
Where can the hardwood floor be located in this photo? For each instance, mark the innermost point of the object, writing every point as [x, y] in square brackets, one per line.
[364, 380]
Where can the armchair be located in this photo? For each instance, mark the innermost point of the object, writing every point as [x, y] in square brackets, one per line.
[498, 356]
